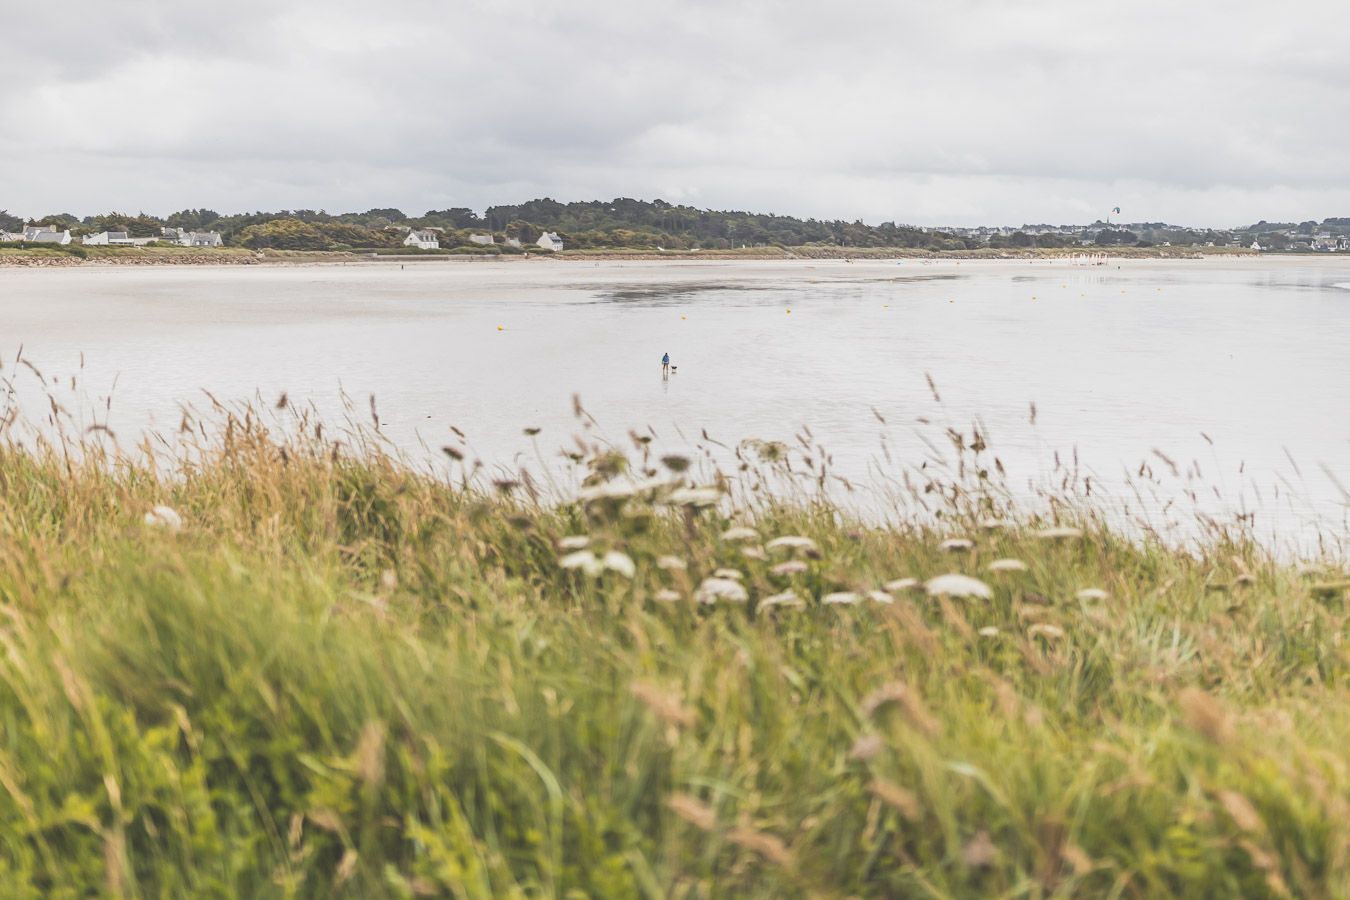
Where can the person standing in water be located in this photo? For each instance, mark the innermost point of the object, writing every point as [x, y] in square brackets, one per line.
[665, 364]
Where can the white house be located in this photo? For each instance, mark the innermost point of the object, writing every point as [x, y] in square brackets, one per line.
[202, 239]
[10, 235]
[45, 235]
[422, 239]
[185, 238]
[484, 239]
[550, 241]
[1256, 245]
[104, 238]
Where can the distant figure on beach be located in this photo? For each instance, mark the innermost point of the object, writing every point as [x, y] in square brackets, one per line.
[665, 364]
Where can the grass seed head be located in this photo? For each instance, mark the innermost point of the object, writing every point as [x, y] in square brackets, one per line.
[693, 810]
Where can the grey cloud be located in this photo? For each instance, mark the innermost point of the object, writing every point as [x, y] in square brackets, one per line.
[972, 110]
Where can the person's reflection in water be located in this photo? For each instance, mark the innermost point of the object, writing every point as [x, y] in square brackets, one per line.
[665, 381]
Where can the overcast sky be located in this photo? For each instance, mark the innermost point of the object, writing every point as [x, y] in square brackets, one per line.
[950, 112]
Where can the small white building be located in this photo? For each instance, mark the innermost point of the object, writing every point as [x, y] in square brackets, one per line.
[10, 235]
[1256, 245]
[185, 238]
[484, 239]
[106, 238]
[422, 239]
[51, 236]
[549, 240]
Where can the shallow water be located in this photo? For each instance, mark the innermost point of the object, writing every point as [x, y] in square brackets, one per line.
[1119, 360]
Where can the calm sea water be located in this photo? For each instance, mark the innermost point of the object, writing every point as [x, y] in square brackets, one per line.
[1236, 370]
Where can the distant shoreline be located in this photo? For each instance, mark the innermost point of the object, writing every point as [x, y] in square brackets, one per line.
[239, 256]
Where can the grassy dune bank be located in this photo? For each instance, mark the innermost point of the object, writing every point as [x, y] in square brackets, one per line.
[316, 672]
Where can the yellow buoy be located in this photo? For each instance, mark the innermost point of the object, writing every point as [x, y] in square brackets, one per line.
[501, 328]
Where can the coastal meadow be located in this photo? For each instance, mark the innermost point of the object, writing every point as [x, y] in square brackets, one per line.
[285, 661]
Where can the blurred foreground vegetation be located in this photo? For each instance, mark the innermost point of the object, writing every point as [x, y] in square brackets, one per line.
[285, 667]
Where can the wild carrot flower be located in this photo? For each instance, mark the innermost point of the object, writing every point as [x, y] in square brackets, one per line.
[786, 598]
[791, 542]
[574, 542]
[955, 545]
[583, 560]
[164, 517]
[1092, 593]
[1060, 533]
[695, 498]
[671, 562]
[621, 563]
[791, 567]
[840, 598]
[740, 533]
[714, 589]
[898, 585]
[956, 585]
[1007, 565]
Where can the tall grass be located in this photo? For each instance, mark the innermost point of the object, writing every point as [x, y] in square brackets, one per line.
[320, 671]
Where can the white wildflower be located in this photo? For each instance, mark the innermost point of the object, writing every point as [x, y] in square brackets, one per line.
[1052, 632]
[740, 533]
[954, 545]
[574, 542]
[840, 598]
[754, 553]
[1089, 594]
[791, 567]
[715, 589]
[584, 560]
[988, 631]
[671, 562]
[880, 597]
[164, 517]
[1061, 533]
[1007, 565]
[621, 563]
[786, 598]
[695, 497]
[728, 573]
[666, 595]
[954, 585]
[791, 542]
[897, 585]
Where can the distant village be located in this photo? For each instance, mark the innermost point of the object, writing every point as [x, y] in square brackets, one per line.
[1328, 236]
[426, 238]
[626, 224]
[50, 234]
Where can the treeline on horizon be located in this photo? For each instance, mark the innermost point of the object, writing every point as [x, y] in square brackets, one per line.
[621, 223]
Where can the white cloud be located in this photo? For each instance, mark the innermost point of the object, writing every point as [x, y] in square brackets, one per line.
[964, 111]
